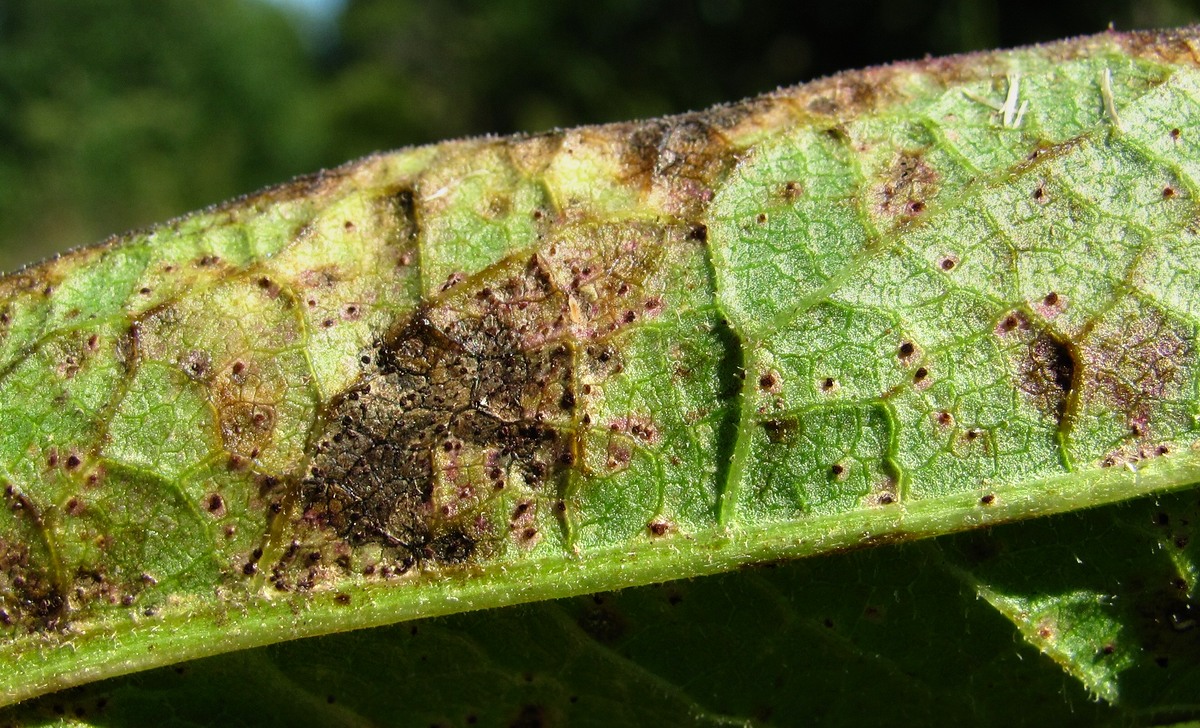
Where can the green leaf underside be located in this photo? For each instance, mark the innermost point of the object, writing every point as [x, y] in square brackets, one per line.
[895, 303]
[827, 641]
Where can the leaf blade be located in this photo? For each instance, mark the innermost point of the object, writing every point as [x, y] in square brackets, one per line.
[434, 380]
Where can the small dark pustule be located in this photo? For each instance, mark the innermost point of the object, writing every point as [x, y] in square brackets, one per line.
[341, 599]
[829, 384]
[987, 500]
[1051, 299]
[767, 382]
[1175, 134]
[837, 470]
[906, 349]
[948, 264]
[216, 504]
[658, 528]
[920, 374]
[1108, 649]
[1168, 192]
[73, 462]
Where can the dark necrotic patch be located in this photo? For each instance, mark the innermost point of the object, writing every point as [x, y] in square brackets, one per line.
[432, 390]
[1046, 373]
[1044, 364]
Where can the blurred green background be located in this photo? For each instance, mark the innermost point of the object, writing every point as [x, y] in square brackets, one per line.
[116, 114]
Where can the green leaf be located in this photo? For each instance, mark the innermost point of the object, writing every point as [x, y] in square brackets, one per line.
[896, 303]
[896, 635]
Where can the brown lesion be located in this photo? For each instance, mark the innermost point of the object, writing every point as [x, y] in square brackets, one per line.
[478, 400]
[437, 402]
[33, 595]
[907, 185]
[1043, 363]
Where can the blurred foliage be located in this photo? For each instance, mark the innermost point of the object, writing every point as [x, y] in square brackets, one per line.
[120, 113]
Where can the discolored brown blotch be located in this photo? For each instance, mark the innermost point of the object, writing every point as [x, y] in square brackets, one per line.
[781, 430]
[1134, 361]
[1171, 46]
[28, 594]
[906, 187]
[681, 158]
[1048, 373]
[1043, 364]
[436, 399]
[246, 427]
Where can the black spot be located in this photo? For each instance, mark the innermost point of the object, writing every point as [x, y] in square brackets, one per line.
[216, 504]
